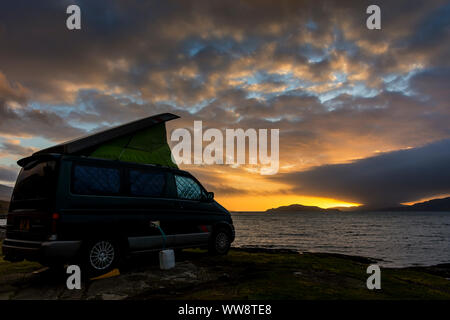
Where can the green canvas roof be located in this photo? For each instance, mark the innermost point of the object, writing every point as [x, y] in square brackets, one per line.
[141, 141]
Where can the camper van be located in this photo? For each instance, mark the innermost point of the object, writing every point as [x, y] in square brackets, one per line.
[70, 206]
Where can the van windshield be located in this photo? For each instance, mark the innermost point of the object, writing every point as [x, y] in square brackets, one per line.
[36, 184]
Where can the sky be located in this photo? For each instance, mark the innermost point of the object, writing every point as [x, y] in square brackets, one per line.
[364, 115]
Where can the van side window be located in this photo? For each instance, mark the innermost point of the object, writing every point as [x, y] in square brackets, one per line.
[91, 180]
[188, 188]
[147, 184]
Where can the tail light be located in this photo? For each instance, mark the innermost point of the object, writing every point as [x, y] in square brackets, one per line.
[55, 218]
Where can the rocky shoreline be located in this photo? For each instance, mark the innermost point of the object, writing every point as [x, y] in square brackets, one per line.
[245, 273]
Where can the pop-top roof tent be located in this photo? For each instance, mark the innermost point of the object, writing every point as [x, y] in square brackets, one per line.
[141, 141]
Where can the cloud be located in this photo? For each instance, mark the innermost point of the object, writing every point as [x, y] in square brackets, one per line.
[17, 118]
[8, 174]
[143, 47]
[336, 90]
[14, 147]
[34, 122]
[387, 179]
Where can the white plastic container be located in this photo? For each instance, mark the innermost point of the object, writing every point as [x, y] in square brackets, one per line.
[166, 259]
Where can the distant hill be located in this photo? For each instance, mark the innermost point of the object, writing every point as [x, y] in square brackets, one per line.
[431, 205]
[5, 192]
[301, 208]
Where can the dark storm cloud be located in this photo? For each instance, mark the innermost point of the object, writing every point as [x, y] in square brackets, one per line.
[431, 29]
[387, 179]
[144, 48]
[151, 38]
[433, 83]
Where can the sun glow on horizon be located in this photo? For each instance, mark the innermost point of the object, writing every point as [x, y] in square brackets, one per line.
[262, 203]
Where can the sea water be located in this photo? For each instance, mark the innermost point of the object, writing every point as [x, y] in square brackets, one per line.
[396, 239]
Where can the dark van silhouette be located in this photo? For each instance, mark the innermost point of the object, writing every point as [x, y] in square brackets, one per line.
[75, 208]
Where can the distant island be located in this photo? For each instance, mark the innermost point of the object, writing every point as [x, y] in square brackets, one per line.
[435, 205]
[430, 205]
[301, 208]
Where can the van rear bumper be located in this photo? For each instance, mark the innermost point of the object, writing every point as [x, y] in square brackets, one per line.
[15, 250]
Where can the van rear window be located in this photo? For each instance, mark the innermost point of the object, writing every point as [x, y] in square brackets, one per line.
[36, 182]
[93, 180]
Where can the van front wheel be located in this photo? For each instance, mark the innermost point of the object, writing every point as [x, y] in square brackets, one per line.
[220, 242]
[101, 256]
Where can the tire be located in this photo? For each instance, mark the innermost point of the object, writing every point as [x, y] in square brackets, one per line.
[220, 242]
[100, 257]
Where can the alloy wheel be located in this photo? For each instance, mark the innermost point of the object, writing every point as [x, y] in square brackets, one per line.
[101, 255]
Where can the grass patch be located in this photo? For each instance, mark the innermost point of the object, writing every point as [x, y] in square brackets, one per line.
[314, 276]
[16, 268]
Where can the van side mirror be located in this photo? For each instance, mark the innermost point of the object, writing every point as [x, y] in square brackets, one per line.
[210, 196]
